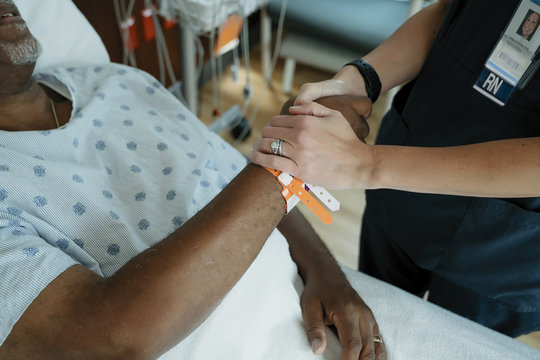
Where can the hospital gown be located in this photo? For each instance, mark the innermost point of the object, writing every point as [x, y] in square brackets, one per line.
[129, 168]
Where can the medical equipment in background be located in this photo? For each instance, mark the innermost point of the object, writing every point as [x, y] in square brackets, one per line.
[225, 23]
[205, 17]
[152, 29]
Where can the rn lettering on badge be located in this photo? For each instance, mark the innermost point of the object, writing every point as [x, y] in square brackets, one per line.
[494, 86]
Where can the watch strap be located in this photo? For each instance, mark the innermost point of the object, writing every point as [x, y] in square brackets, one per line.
[371, 79]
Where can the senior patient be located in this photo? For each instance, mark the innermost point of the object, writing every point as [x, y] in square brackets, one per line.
[121, 226]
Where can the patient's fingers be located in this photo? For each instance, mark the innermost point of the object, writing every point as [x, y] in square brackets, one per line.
[368, 348]
[380, 348]
[349, 336]
[312, 313]
[371, 350]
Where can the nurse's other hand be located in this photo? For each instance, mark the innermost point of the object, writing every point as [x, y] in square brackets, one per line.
[312, 91]
[319, 147]
[347, 81]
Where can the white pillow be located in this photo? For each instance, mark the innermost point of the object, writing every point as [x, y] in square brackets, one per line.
[65, 34]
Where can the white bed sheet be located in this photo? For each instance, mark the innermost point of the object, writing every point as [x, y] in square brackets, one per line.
[260, 319]
[416, 329]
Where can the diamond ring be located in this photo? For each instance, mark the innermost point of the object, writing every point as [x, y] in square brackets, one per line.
[277, 147]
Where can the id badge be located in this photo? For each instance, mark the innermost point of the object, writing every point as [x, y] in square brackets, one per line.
[515, 58]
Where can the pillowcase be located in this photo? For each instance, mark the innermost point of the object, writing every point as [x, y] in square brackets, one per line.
[65, 34]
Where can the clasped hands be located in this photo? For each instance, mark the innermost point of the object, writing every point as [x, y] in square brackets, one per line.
[323, 141]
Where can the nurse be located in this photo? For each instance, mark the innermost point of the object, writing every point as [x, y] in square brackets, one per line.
[453, 190]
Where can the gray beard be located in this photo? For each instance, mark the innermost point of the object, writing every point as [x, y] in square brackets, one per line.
[22, 52]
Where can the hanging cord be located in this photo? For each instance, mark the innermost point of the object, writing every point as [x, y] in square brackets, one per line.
[200, 68]
[279, 38]
[163, 51]
[119, 17]
[161, 62]
[277, 49]
[164, 59]
[123, 14]
[213, 63]
[217, 74]
[236, 64]
[213, 69]
[220, 83]
[200, 52]
[247, 65]
[244, 43]
[128, 13]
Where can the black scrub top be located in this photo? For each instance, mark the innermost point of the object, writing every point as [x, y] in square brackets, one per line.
[489, 245]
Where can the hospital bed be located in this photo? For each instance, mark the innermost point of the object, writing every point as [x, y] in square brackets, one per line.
[260, 318]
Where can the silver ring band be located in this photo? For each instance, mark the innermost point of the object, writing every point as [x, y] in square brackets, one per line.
[378, 339]
[277, 147]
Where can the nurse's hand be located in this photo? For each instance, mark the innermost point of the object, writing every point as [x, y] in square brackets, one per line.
[320, 146]
[347, 81]
[329, 300]
[355, 109]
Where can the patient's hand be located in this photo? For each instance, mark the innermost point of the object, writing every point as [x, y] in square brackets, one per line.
[329, 300]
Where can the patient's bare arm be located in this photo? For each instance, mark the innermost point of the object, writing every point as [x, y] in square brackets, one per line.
[161, 295]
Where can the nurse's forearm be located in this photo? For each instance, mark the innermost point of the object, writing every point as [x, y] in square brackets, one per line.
[401, 56]
[504, 168]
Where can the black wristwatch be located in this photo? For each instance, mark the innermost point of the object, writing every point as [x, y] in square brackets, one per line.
[371, 79]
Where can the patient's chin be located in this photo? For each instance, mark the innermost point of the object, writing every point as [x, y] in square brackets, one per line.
[23, 52]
